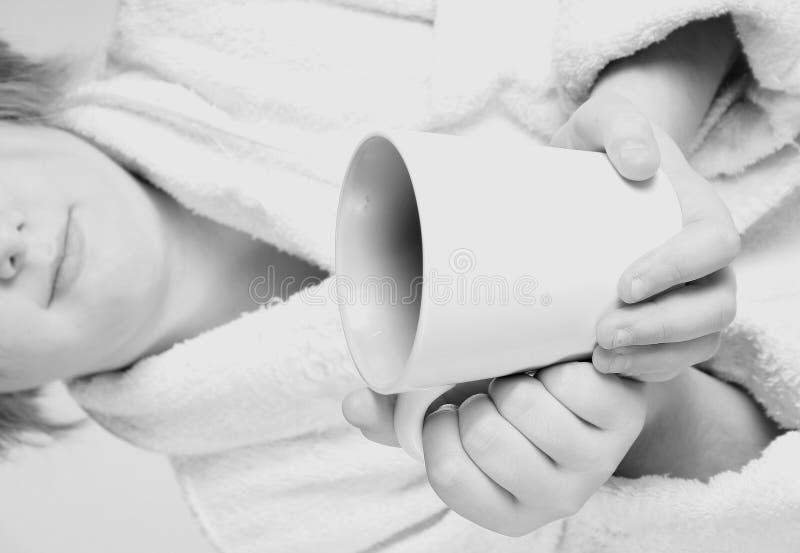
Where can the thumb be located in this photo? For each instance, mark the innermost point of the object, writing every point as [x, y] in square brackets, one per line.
[611, 123]
[372, 413]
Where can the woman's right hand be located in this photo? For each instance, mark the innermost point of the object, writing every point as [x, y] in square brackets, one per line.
[681, 295]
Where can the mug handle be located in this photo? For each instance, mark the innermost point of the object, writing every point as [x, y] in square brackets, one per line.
[409, 414]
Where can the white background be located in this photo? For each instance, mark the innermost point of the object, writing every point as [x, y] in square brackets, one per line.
[92, 493]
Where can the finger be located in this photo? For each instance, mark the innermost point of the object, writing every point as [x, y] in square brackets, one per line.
[383, 438]
[656, 363]
[611, 123]
[606, 401]
[708, 242]
[696, 195]
[370, 411]
[697, 251]
[502, 453]
[704, 307]
[456, 479]
[526, 404]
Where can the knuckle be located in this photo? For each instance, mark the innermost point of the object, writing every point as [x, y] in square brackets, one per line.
[446, 473]
[567, 505]
[661, 326]
[569, 373]
[675, 273]
[601, 360]
[663, 331]
[572, 380]
[478, 437]
[728, 242]
[512, 531]
[591, 458]
[608, 466]
[515, 526]
[600, 470]
[515, 397]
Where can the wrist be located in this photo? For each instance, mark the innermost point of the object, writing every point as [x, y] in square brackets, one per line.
[698, 426]
[646, 455]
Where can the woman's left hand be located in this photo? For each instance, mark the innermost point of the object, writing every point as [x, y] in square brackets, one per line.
[518, 452]
[682, 294]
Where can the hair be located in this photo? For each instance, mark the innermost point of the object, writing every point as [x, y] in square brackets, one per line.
[22, 418]
[29, 91]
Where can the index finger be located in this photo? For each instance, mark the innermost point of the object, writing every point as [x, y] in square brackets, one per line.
[707, 243]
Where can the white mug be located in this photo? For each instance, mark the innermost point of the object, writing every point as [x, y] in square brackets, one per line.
[459, 259]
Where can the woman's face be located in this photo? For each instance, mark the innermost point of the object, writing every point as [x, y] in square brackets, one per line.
[82, 259]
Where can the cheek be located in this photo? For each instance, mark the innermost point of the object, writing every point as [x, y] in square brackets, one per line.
[125, 272]
[86, 340]
[122, 251]
[121, 281]
[119, 289]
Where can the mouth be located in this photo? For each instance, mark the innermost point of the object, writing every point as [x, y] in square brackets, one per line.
[66, 264]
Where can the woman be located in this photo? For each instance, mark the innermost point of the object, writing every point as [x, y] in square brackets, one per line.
[225, 404]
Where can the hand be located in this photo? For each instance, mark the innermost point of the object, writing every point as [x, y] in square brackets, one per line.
[533, 449]
[682, 294]
[528, 451]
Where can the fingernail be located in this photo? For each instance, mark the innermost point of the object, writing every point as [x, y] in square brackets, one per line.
[620, 364]
[632, 151]
[446, 407]
[622, 338]
[637, 289]
[470, 399]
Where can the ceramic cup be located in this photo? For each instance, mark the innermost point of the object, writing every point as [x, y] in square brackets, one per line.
[459, 259]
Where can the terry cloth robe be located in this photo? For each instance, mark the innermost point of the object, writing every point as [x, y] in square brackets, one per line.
[245, 112]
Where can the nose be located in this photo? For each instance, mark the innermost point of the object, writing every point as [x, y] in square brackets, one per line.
[12, 244]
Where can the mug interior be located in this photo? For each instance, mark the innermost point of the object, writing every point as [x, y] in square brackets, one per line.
[379, 262]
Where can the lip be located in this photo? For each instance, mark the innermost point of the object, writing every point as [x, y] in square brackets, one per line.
[69, 259]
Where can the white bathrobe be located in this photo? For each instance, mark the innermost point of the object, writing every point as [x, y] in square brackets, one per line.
[245, 111]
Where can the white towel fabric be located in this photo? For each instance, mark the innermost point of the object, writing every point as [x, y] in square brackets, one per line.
[245, 110]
